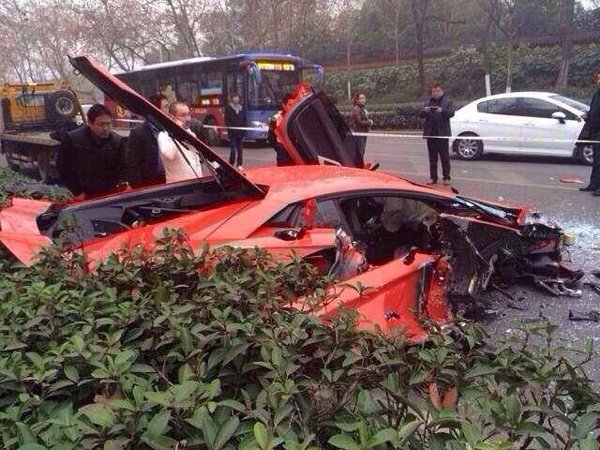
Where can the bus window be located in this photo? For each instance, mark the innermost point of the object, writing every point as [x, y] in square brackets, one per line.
[211, 89]
[274, 87]
[148, 87]
[187, 88]
[168, 88]
[235, 83]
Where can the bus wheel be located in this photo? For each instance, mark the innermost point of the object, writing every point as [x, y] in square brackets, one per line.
[211, 134]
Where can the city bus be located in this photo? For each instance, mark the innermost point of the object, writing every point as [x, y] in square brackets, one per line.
[261, 79]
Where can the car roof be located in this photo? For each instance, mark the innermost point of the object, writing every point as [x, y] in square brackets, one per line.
[536, 94]
[289, 184]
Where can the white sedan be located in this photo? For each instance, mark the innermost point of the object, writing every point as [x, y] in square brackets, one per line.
[528, 123]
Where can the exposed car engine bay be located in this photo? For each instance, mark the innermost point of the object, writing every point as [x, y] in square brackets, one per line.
[479, 254]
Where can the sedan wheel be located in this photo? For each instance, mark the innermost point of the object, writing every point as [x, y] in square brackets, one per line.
[587, 155]
[469, 148]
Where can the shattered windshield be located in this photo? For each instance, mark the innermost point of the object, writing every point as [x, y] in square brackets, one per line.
[276, 84]
[480, 207]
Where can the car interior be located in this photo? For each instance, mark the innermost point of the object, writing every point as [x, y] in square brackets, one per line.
[389, 227]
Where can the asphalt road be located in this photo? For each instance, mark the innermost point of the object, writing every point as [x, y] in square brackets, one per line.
[532, 181]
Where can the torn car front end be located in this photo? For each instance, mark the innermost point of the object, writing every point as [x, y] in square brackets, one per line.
[532, 251]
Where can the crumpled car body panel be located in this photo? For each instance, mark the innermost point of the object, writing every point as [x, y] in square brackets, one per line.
[347, 221]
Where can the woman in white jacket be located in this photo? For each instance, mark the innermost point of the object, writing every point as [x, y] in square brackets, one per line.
[176, 166]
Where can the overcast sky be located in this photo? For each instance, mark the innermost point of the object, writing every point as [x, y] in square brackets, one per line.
[587, 3]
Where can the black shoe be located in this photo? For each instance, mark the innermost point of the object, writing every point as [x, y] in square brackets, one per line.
[588, 188]
[596, 193]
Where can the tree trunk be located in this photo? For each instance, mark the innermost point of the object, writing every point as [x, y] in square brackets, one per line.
[419, 12]
[509, 66]
[567, 7]
[348, 44]
[396, 33]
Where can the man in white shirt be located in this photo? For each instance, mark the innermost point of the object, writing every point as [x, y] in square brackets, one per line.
[174, 162]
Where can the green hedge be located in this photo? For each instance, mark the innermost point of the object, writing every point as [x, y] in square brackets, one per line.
[163, 349]
[462, 74]
[13, 183]
[166, 350]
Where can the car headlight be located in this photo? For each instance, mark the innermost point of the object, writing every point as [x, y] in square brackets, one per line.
[568, 238]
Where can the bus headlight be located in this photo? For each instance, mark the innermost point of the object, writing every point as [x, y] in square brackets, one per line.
[260, 125]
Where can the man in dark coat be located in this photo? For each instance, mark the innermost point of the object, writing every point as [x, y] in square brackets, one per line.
[235, 117]
[359, 120]
[437, 110]
[142, 150]
[592, 133]
[92, 158]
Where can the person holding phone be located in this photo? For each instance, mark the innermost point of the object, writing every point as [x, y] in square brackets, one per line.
[437, 110]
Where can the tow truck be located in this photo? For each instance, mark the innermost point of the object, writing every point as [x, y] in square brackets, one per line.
[29, 112]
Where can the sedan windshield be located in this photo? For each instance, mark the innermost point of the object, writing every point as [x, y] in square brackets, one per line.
[276, 84]
[570, 102]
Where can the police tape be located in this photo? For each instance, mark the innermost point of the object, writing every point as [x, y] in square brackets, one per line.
[421, 136]
[477, 138]
[417, 136]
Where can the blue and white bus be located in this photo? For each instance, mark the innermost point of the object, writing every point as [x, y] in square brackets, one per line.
[205, 83]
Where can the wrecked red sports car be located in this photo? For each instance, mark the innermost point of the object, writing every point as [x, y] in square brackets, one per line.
[412, 248]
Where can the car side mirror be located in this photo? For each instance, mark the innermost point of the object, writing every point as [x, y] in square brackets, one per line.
[560, 116]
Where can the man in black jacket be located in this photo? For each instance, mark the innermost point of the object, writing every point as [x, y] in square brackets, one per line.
[142, 150]
[437, 110]
[92, 158]
[592, 133]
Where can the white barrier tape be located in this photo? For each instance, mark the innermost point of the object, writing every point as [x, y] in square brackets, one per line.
[128, 120]
[415, 136]
[477, 138]
[420, 136]
[216, 127]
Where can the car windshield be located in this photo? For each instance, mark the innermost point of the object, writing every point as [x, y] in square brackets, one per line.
[570, 102]
[480, 207]
[276, 84]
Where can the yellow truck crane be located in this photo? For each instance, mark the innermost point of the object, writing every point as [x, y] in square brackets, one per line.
[29, 112]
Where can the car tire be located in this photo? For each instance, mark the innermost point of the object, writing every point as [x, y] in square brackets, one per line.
[468, 149]
[61, 106]
[585, 155]
[210, 134]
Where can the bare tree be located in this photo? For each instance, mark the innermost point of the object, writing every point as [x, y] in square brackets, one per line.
[566, 18]
[393, 13]
[503, 15]
[188, 18]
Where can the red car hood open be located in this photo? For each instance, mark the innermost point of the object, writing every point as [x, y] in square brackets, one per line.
[229, 177]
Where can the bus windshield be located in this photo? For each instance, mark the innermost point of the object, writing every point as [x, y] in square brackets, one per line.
[275, 86]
